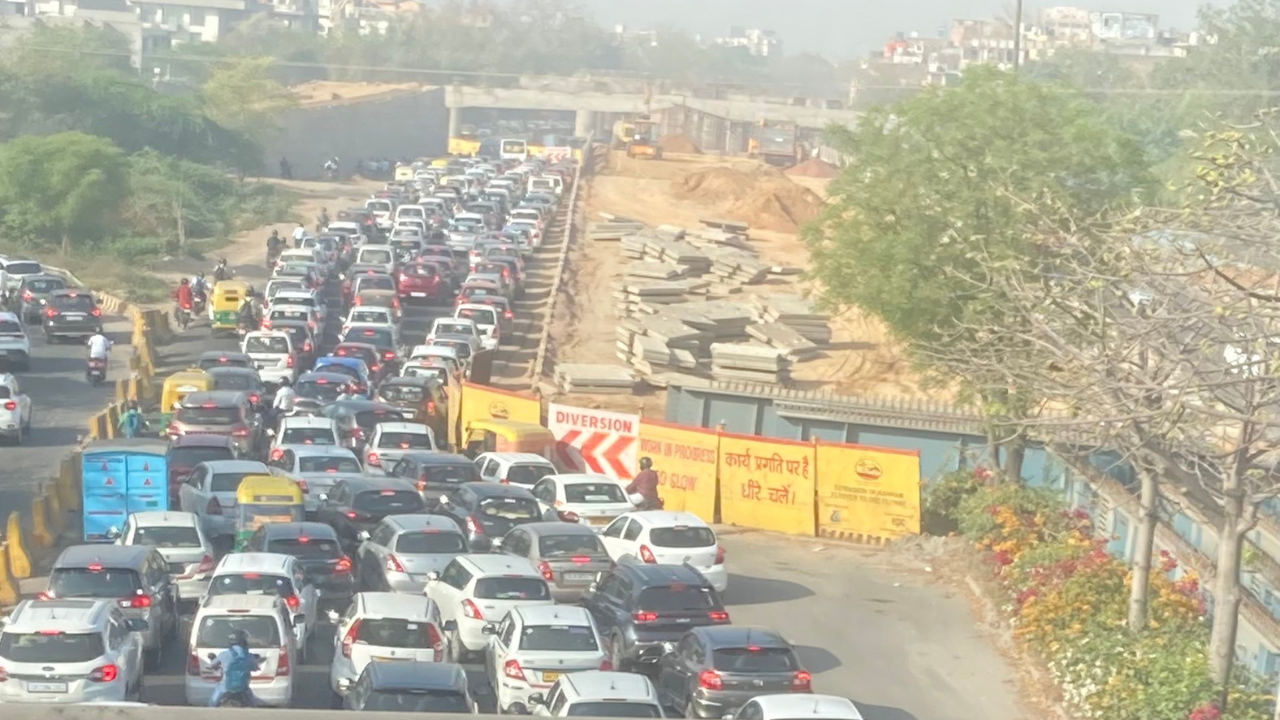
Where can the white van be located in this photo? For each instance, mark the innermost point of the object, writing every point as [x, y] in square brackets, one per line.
[272, 355]
[266, 620]
[546, 183]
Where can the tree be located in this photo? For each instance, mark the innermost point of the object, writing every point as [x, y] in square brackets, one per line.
[61, 187]
[241, 95]
[52, 50]
[174, 198]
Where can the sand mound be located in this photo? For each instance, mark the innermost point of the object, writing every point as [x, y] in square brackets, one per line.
[763, 197]
[814, 168]
[679, 143]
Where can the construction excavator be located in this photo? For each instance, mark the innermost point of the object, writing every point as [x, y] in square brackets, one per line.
[639, 137]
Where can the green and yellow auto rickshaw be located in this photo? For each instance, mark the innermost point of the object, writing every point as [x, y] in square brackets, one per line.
[263, 499]
[224, 306]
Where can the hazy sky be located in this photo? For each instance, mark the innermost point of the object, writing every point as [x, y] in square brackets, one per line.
[842, 29]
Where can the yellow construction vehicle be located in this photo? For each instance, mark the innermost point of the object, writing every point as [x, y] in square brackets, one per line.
[644, 140]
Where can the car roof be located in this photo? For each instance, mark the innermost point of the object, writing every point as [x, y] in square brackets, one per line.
[171, 518]
[500, 565]
[557, 528]
[201, 440]
[73, 615]
[592, 684]
[651, 575]
[322, 451]
[493, 489]
[365, 484]
[718, 636]
[553, 614]
[121, 556]
[518, 457]
[233, 466]
[242, 602]
[423, 521]
[396, 605]
[580, 478]
[667, 518]
[435, 458]
[44, 276]
[253, 562]
[805, 705]
[405, 427]
[416, 675]
[300, 530]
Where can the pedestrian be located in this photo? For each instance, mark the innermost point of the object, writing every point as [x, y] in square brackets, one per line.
[322, 222]
[643, 489]
[273, 248]
[286, 168]
[299, 233]
[131, 422]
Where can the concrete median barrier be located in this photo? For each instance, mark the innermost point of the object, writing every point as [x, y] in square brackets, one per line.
[122, 390]
[19, 557]
[57, 520]
[40, 537]
[113, 421]
[67, 483]
[9, 594]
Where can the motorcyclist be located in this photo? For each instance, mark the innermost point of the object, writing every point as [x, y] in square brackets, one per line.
[284, 398]
[645, 484]
[183, 294]
[249, 316]
[237, 665]
[99, 346]
[221, 271]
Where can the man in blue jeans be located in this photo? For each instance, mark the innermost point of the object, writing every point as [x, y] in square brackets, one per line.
[237, 666]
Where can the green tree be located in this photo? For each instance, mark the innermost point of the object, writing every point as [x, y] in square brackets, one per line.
[61, 187]
[175, 199]
[59, 50]
[242, 96]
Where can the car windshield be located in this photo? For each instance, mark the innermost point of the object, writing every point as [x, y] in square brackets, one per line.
[512, 588]
[418, 701]
[755, 660]
[558, 638]
[426, 543]
[52, 646]
[455, 328]
[391, 502]
[228, 482]
[308, 436]
[72, 303]
[528, 475]
[376, 282]
[10, 327]
[613, 709]
[677, 598]
[267, 345]
[318, 390]
[509, 508]
[44, 285]
[251, 584]
[167, 536]
[553, 546]
[263, 630]
[234, 382]
[406, 394]
[328, 465]
[604, 492]
[370, 418]
[427, 371]
[192, 456]
[405, 441]
[90, 583]
[682, 537]
[208, 415]
[375, 257]
[378, 337]
[451, 474]
[305, 548]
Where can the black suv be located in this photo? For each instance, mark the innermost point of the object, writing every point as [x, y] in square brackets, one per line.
[71, 313]
[643, 610]
[352, 506]
[319, 552]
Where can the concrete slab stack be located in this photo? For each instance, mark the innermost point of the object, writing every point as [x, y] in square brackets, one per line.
[595, 379]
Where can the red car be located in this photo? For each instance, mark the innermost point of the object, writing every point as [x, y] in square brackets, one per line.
[420, 281]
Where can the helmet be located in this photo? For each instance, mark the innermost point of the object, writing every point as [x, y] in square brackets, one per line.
[645, 463]
[275, 233]
[284, 382]
[238, 637]
[200, 275]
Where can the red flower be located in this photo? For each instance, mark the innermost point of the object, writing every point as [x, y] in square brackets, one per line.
[1002, 558]
[1207, 711]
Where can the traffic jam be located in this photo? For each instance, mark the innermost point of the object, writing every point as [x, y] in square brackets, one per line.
[306, 506]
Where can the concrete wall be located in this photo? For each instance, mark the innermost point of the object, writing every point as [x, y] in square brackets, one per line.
[408, 125]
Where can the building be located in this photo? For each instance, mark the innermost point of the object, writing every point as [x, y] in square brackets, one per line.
[760, 43]
[114, 14]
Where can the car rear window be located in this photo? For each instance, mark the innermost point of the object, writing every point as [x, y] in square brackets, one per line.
[44, 285]
[554, 546]
[613, 709]
[402, 393]
[376, 257]
[251, 584]
[10, 327]
[323, 391]
[72, 303]
[376, 282]
[558, 638]
[397, 633]
[755, 660]
[308, 436]
[528, 474]
[509, 508]
[306, 548]
[678, 598]
[263, 630]
[328, 465]
[23, 268]
[426, 543]
[291, 314]
[405, 441]
[417, 701]
[208, 416]
[368, 316]
[233, 382]
[388, 501]
[594, 493]
[53, 646]
[481, 316]
[228, 482]
[267, 345]
[192, 456]
[340, 370]
[373, 336]
[368, 418]
[451, 474]
[512, 588]
[89, 583]
[682, 537]
[167, 536]
[420, 270]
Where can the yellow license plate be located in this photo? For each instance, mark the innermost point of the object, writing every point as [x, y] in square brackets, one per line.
[599, 520]
[388, 659]
[550, 677]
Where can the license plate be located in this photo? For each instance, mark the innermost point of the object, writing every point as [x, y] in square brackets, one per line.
[75, 316]
[550, 676]
[599, 520]
[414, 294]
[578, 577]
[46, 687]
[389, 659]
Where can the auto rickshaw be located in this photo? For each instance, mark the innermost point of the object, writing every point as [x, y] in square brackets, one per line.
[481, 436]
[263, 499]
[178, 386]
[224, 309]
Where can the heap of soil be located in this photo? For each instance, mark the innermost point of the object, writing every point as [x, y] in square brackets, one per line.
[814, 168]
[679, 143]
[762, 197]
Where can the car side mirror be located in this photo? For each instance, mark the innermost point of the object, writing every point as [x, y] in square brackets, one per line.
[362, 536]
[537, 699]
[113, 533]
[444, 500]
[136, 625]
[334, 617]
[450, 626]
[489, 629]
[299, 621]
[433, 576]
[271, 432]
[495, 544]
[324, 497]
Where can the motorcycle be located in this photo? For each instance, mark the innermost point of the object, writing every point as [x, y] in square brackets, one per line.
[201, 300]
[183, 315]
[238, 698]
[96, 371]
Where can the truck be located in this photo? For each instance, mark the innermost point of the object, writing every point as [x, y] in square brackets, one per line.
[776, 142]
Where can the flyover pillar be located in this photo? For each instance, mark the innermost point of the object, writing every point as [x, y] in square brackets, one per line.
[584, 121]
[455, 121]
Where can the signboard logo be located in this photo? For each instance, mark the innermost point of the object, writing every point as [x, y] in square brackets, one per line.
[869, 470]
[499, 411]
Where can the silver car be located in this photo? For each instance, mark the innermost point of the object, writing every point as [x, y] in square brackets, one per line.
[402, 549]
[179, 538]
[316, 468]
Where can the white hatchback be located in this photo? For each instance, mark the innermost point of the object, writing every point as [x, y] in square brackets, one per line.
[534, 646]
[383, 627]
[474, 590]
[668, 538]
[588, 499]
[266, 620]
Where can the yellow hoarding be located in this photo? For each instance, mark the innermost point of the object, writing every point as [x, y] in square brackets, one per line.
[767, 483]
[685, 460]
[480, 402]
[866, 494]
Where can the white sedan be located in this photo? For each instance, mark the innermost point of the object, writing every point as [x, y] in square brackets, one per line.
[535, 645]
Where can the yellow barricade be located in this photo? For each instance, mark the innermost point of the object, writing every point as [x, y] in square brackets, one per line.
[113, 420]
[19, 559]
[9, 594]
[866, 494]
[767, 483]
[53, 504]
[685, 460]
[480, 402]
[67, 484]
[95, 427]
[122, 390]
[41, 538]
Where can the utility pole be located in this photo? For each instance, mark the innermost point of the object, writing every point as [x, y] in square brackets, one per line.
[1017, 37]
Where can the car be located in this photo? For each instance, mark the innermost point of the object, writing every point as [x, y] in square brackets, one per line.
[303, 430]
[15, 410]
[509, 468]
[352, 506]
[238, 379]
[303, 337]
[222, 358]
[486, 319]
[411, 687]
[438, 369]
[452, 326]
[593, 500]
[798, 706]
[383, 627]
[281, 312]
[664, 537]
[392, 440]
[466, 346]
[410, 212]
[33, 294]
[188, 451]
[304, 297]
[17, 269]
[386, 338]
[568, 555]
[74, 651]
[399, 552]
[422, 282]
[595, 693]
[15, 346]
[270, 573]
[364, 352]
[643, 609]
[316, 548]
[713, 671]
[502, 304]
[357, 418]
[532, 647]
[381, 256]
[180, 539]
[355, 368]
[268, 622]
[227, 413]
[424, 397]
[438, 353]
[273, 355]
[434, 473]
[486, 511]
[368, 315]
[316, 468]
[209, 491]
[135, 578]
[474, 590]
[322, 387]
[307, 273]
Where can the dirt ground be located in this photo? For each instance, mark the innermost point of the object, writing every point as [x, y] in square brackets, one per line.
[862, 359]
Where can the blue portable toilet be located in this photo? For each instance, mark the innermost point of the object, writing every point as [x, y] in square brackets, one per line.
[122, 477]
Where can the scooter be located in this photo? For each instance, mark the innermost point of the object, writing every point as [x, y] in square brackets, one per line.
[96, 371]
[238, 698]
[201, 300]
[183, 315]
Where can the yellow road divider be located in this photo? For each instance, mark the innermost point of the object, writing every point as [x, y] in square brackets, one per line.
[9, 594]
[53, 504]
[19, 558]
[41, 538]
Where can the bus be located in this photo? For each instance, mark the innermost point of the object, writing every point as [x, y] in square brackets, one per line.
[515, 150]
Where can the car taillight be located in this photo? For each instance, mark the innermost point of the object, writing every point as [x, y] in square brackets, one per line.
[435, 641]
[207, 564]
[10, 405]
[266, 324]
[26, 295]
[431, 407]
[718, 615]
[304, 487]
[104, 674]
[97, 312]
[393, 564]
[720, 555]
[508, 315]
[474, 527]
[289, 361]
[137, 602]
[710, 680]
[277, 454]
[802, 682]
[389, 355]
[606, 665]
[513, 670]
[352, 514]
[254, 398]
[645, 617]
[193, 664]
[293, 602]
[350, 638]
[343, 566]
[470, 610]
[241, 432]
[647, 555]
[282, 662]
[546, 571]
[51, 312]
[374, 459]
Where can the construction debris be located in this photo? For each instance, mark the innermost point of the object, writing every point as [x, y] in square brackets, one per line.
[595, 379]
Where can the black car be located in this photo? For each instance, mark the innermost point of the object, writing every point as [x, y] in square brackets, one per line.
[435, 474]
[33, 295]
[486, 511]
[246, 380]
[411, 687]
[357, 418]
[714, 671]
[642, 610]
[221, 358]
[319, 552]
[71, 313]
[352, 506]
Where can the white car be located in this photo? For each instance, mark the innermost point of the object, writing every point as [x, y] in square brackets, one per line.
[301, 296]
[209, 492]
[382, 256]
[15, 410]
[15, 346]
[534, 646]
[410, 212]
[798, 706]
[381, 210]
[369, 315]
[414, 224]
[392, 441]
[305, 430]
[356, 332]
[266, 619]
[261, 573]
[315, 468]
[71, 651]
[532, 227]
[594, 500]
[179, 538]
[452, 326]
[599, 694]
[474, 590]
[304, 255]
[383, 627]
[275, 286]
[667, 538]
[279, 310]
[439, 368]
[485, 318]
[512, 468]
[272, 354]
